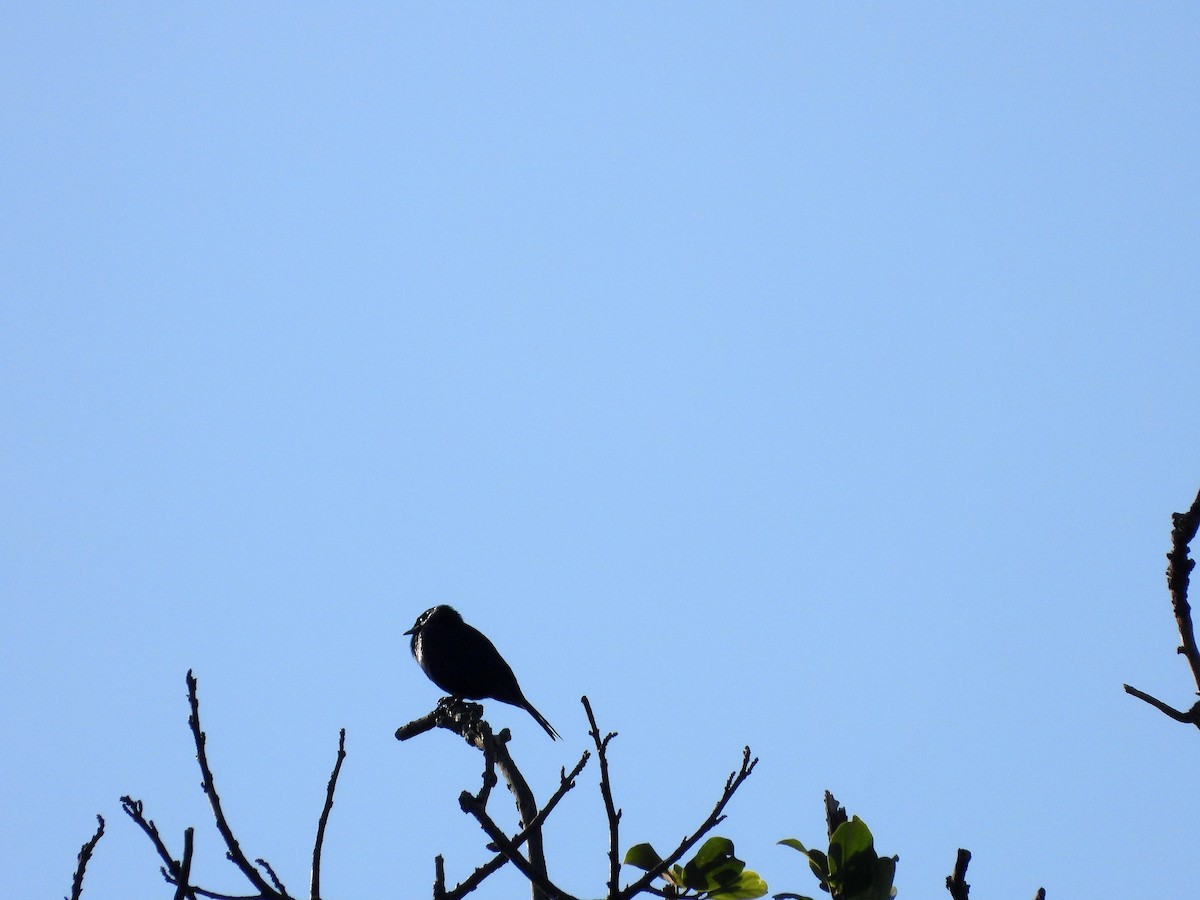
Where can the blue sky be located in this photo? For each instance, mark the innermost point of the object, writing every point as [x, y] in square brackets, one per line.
[815, 377]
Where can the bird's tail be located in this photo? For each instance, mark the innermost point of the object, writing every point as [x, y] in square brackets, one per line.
[541, 720]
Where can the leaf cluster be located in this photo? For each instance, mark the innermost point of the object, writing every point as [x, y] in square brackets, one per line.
[851, 869]
[714, 872]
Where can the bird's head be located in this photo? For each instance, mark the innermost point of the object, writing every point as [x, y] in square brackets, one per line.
[435, 615]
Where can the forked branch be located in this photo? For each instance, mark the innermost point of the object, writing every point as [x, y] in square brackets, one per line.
[466, 720]
[208, 785]
[178, 872]
[566, 782]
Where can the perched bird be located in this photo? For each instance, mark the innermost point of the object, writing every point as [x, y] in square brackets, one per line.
[464, 663]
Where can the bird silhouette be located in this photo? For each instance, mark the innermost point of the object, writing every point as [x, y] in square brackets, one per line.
[464, 663]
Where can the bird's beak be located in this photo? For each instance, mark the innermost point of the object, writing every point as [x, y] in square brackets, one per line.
[412, 630]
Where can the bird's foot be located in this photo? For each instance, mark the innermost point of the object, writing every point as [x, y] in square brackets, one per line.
[462, 713]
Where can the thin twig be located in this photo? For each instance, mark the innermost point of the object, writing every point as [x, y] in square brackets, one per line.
[171, 871]
[194, 891]
[315, 892]
[236, 856]
[185, 866]
[538, 879]
[566, 782]
[956, 884]
[1191, 716]
[84, 856]
[732, 783]
[266, 867]
[134, 809]
[613, 814]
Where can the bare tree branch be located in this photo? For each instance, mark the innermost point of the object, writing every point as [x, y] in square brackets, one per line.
[194, 891]
[614, 814]
[275, 880]
[466, 720]
[236, 856]
[315, 891]
[410, 730]
[956, 884]
[529, 869]
[1179, 570]
[1191, 716]
[179, 873]
[84, 856]
[172, 871]
[732, 783]
[454, 715]
[439, 878]
[488, 779]
[133, 809]
[185, 867]
[566, 782]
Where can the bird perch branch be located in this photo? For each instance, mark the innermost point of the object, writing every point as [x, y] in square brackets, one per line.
[466, 720]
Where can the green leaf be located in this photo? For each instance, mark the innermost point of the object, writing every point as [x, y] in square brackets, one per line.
[714, 866]
[713, 850]
[856, 872]
[852, 860]
[853, 837]
[880, 886]
[643, 856]
[748, 886]
[817, 860]
[885, 874]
